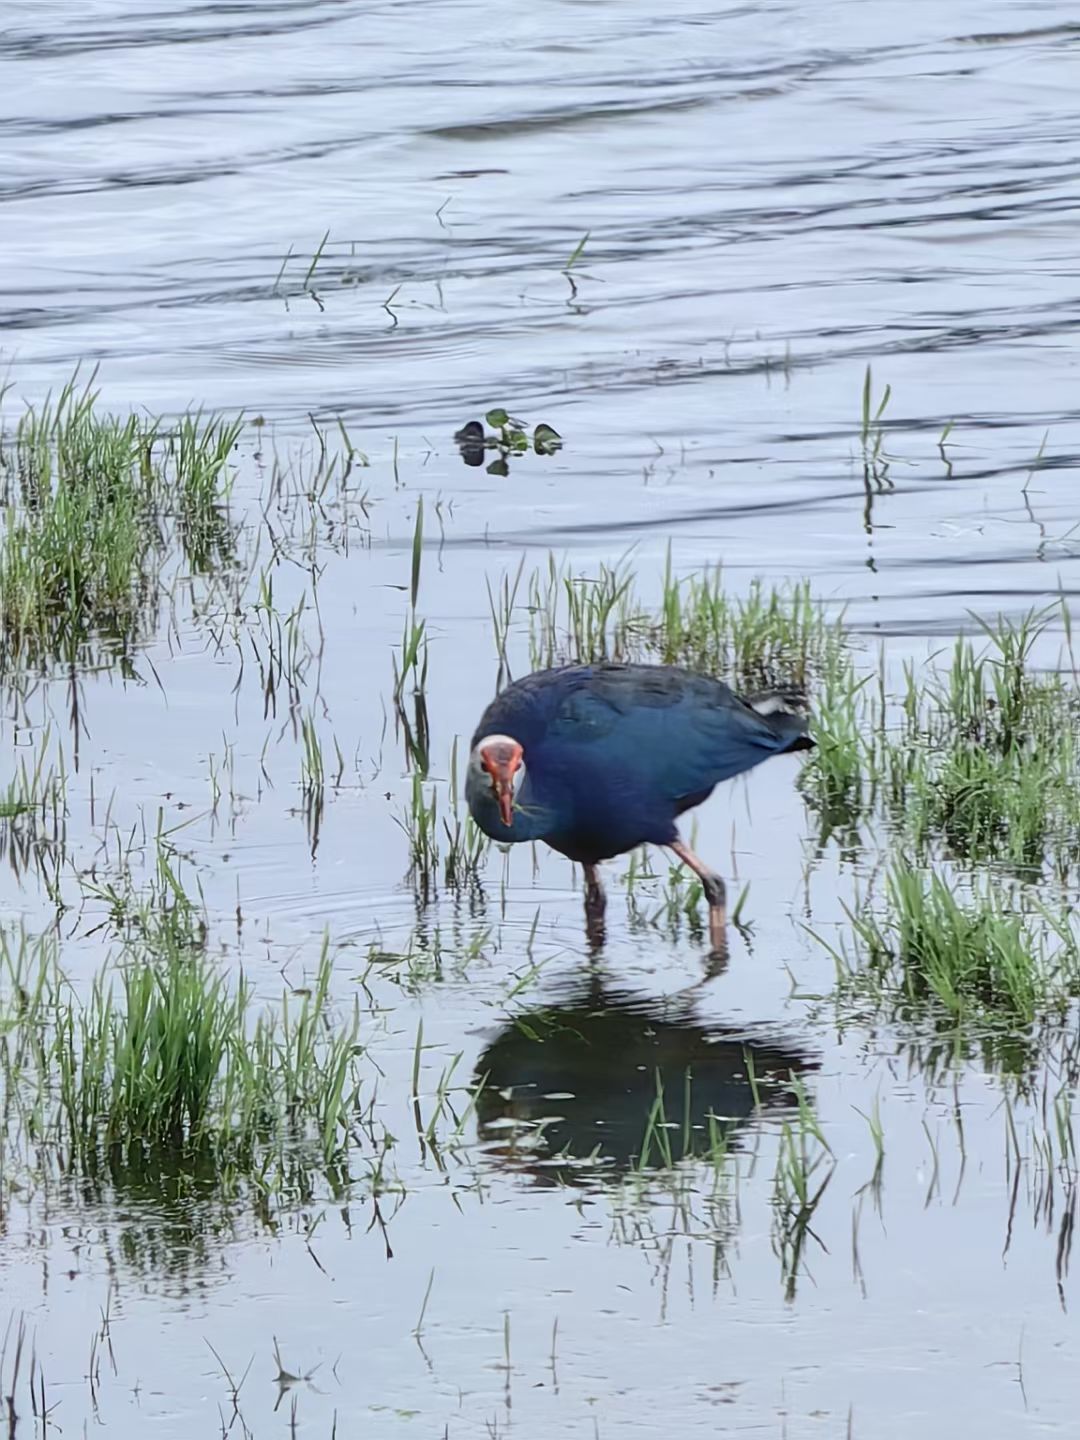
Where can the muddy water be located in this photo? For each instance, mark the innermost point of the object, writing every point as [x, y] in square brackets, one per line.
[775, 196]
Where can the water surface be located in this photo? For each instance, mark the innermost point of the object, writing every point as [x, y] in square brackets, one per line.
[324, 211]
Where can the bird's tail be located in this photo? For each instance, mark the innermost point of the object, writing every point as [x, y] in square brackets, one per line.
[788, 714]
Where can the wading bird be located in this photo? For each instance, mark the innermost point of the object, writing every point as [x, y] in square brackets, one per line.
[598, 759]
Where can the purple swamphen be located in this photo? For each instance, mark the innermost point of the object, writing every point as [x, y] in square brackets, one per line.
[598, 759]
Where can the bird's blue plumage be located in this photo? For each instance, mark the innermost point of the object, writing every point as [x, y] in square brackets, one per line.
[614, 753]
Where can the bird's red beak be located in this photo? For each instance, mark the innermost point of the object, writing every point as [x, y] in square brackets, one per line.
[505, 793]
[501, 761]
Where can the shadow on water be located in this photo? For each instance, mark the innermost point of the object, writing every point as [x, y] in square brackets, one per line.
[570, 1091]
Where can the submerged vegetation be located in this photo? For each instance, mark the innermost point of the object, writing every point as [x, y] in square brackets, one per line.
[981, 960]
[975, 757]
[89, 500]
[772, 635]
[164, 1063]
[994, 746]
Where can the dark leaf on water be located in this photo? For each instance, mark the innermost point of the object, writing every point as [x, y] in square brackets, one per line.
[470, 440]
[546, 440]
[499, 467]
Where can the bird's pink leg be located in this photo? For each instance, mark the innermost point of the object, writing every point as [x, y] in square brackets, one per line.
[595, 899]
[595, 903]
[715, 894]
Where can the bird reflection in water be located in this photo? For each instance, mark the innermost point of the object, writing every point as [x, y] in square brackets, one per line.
[569, 1092]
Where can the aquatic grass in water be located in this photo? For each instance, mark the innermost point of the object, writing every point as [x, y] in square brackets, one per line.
[285, 650]
[804, 1167]
[33, 813]
[89, 503]
[773, 635]
[164, 1058]
[978, 959]
[838, 780]
[414, 644]
[673, 1143]
[977, 757]
[465, 843]
[39, 786]
[574, 618]
[987, 805]
[420, 824]
[872, 434]
[991, 749]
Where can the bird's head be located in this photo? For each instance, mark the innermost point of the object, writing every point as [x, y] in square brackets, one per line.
[499, 762]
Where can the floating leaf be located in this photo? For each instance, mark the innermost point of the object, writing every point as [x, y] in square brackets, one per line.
[546, 440]
[470, 441]
[498, 418]
[499, 467]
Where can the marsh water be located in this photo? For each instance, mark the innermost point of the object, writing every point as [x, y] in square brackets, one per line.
[367, 213]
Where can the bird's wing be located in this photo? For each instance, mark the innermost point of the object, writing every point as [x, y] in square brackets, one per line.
[674, 732]
[715, 742]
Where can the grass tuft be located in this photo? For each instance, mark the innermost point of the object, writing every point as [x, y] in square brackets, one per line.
[772, 635]
[165, 1064]
[979, 959]
[91, 501]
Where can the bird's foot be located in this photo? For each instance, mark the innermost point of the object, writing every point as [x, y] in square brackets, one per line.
[716, 964]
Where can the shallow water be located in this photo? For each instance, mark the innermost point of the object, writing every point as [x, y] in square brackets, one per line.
[774, 196]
